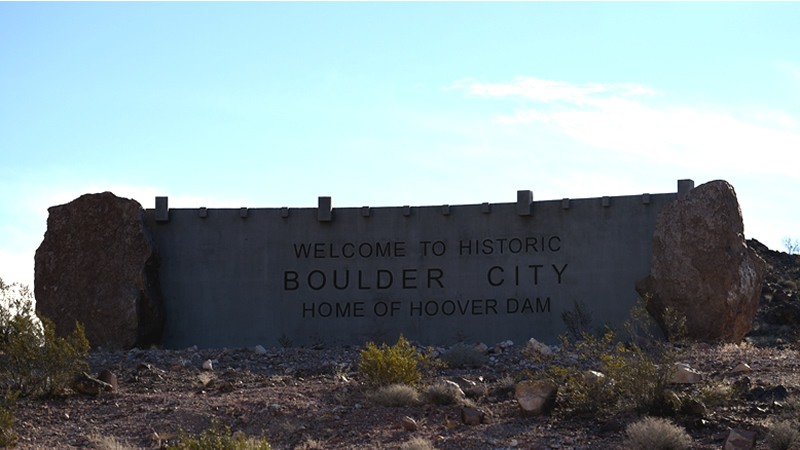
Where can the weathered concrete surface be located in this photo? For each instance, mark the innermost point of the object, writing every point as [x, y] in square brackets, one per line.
[436, 274]
[702, 268]
[97, 265]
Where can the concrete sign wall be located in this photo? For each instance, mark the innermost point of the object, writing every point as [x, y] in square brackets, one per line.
[437, 274]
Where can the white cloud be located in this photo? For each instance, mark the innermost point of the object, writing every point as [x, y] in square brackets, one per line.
[539, 90]
[618, 117]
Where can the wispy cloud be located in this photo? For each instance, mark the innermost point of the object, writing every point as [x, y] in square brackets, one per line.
[621, 117]
[539, 90]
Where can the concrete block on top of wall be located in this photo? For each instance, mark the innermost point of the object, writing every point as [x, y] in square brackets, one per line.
[324, 210]
[524, 201]
[162, 209]
[684, 186]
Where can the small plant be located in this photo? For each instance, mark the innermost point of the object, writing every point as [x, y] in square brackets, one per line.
[716, 394]
[578, 320]
[7, 435]
[310, 444]
[655, 433]
[108, 443]
[417, 443]
[33, 360]
[783, 436]
[386, 365]
[792, 245]
[462, 356]
[285, 341]
[504, 386]
[395, 395]
[219, 437]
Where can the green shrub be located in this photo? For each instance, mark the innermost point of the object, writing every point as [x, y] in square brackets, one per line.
[633, 374]
[579, 388]
[387, 365]
[395, 395]
[33, 360]
[655, 433]
[219, 438]
[7, 435]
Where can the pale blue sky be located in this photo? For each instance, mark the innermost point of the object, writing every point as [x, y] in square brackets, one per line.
[274, 104]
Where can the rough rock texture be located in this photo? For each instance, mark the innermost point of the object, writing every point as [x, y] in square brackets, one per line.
[97, 265]
[536, 397]
[702, 267]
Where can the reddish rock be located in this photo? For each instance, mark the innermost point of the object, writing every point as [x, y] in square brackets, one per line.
[702, 267]
[97, 265]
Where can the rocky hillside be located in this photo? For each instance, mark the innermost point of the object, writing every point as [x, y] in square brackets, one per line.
[778, 317]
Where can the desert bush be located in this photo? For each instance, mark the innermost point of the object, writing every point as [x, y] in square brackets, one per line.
[395, 395]
[569, 370]
[462, 356]
[655, 433]
[7, 435]
[219, 437]
[783, 436]
[634, 374]
[387, 365]
[34, 361]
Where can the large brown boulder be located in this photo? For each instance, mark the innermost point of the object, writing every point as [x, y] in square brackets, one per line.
[97, 265]
[702, 268]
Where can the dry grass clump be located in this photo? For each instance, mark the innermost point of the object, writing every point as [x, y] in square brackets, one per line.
[417, 443]
[395, 395]
[107, 443]
[504, 386]
[446, 393]
[783, 436]
[716, 394]
[656, 433]
[310, 444]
